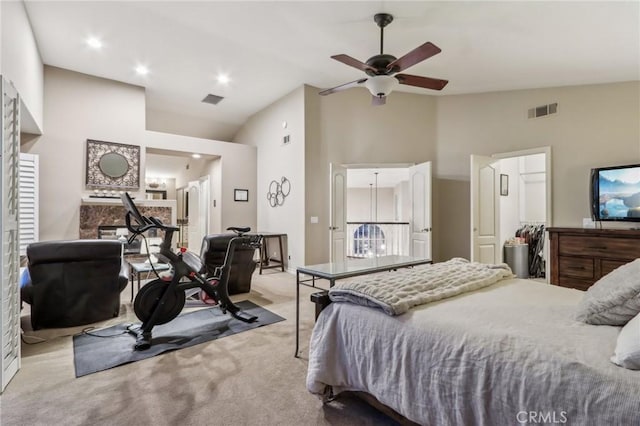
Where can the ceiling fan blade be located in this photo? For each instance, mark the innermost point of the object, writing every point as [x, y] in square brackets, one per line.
[352, 62]
[378, 100]
[345, 86]
[424, 82]
[418, 54]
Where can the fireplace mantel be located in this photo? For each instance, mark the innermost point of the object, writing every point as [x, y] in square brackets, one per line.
[89, 201]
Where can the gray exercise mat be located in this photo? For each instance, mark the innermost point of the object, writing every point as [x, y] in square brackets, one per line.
[93, 353]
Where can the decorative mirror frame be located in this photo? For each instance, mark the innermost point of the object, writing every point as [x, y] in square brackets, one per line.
[95, 176]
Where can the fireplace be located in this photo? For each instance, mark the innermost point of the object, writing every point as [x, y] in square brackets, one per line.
[93, 216]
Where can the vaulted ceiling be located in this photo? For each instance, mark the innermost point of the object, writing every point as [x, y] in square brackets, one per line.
[269, 48]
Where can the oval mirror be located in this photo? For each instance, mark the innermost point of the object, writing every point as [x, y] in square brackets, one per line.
[113, 164]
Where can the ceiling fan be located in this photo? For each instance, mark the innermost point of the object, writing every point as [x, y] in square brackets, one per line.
[382, 69]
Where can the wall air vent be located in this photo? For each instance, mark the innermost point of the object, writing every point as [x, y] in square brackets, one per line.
[212, 99]
[543, 110]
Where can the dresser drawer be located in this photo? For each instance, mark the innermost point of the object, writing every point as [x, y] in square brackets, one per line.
[574, 283]
[576, 267]
[608, 265]
[604, 247]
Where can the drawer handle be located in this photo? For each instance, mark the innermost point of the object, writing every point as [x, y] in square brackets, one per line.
[579, 268]
[598, 247]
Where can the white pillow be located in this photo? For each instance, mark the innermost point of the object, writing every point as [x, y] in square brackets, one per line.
[627, 353]
[614, 299]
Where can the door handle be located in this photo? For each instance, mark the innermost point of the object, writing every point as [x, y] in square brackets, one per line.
[425, 230]
[333, 228]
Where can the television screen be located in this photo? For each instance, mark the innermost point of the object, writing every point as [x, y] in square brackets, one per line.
[617, 191]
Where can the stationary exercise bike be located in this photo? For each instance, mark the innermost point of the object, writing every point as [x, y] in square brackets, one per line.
[162, 300]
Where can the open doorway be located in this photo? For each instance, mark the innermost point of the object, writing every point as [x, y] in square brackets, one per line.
[380, 210]
[378, 207]
[510, 210]
[189, 179]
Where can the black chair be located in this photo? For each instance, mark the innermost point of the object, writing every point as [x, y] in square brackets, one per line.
[74, 282]
[214, 248]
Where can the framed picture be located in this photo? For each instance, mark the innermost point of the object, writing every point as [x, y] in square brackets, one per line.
[240, 195]
[504, 185]
[112, 165]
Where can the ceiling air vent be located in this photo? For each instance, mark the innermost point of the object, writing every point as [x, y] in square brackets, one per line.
[543, 110]
[212, 99]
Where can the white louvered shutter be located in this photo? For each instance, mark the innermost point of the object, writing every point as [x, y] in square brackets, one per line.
[9, 232]
[28, 200]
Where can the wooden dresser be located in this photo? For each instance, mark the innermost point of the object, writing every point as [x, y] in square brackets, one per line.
[580, 257]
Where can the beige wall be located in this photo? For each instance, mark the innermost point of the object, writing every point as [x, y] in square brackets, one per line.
[315, 204]
[361, 204]
[237, 169]
[265, 131]
[596, 125]
[451, 219]
[21, 63]
[79, 107]
[180, 124]
[351, 131]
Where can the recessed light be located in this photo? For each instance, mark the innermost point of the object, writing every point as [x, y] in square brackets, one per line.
[196, 155]
[94, 42]
[142, 70]
[223, 79]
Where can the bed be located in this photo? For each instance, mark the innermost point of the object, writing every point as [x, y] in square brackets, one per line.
[509, 353]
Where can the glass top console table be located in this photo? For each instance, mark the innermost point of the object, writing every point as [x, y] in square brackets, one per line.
[350, 268]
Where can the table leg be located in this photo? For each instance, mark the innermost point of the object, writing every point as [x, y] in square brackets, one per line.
[297, 313]
[281, 253]
[262, 252]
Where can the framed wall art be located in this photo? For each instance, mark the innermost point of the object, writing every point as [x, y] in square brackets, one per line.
[240, 195]
[112, 165]
[504, 185]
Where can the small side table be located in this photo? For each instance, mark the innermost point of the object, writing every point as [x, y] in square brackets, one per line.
[266, 261]
[140, 268]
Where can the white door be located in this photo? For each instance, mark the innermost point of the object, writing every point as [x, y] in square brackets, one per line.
[420, 218]
[199, 191]
[205, 196]
[485, 210]
[194, 240]
[338, 213]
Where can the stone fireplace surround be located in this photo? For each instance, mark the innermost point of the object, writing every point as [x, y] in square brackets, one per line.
[94, 214]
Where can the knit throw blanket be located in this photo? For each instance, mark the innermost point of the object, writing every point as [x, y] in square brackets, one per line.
[395, 292]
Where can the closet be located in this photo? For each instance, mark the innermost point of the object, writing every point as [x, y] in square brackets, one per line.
[533, 236]
[523, 208]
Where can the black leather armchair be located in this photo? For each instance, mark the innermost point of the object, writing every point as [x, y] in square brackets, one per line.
[74, 282]
[214, 249]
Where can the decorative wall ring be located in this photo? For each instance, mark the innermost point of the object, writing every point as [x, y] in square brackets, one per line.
[278, 191]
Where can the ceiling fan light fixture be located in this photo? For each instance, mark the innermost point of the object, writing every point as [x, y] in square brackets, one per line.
[381, 85]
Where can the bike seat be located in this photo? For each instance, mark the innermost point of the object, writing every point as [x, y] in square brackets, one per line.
[239, 230]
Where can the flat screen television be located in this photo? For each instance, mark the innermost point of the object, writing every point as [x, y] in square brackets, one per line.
[615, 193]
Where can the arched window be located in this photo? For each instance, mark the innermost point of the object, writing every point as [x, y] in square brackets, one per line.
[368, 241]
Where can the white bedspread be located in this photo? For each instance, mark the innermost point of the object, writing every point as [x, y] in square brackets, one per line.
[396, 292]
[490, 357]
